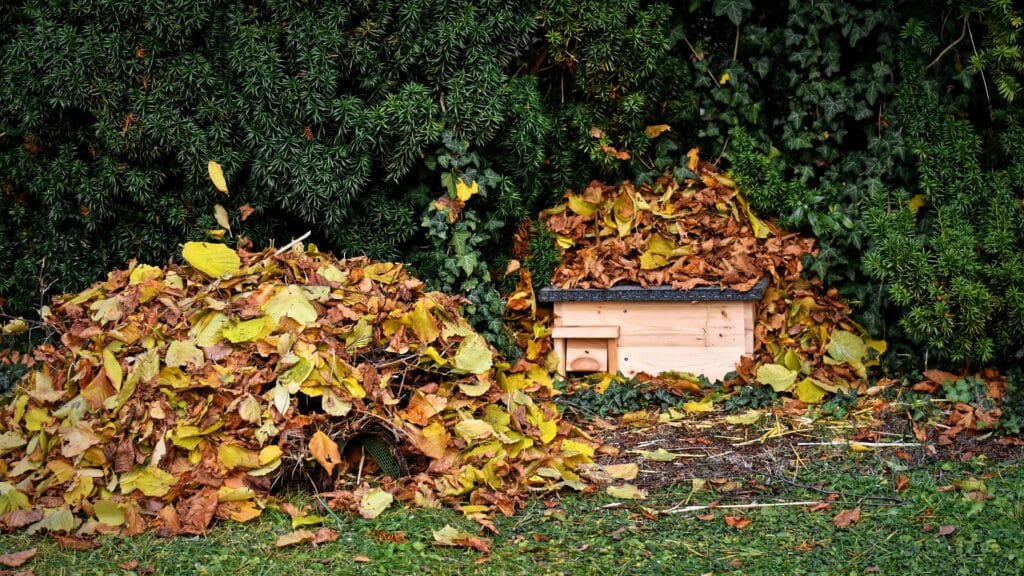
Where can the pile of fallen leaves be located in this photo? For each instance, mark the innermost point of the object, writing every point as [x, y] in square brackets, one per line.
[702, 232]
[179, 394]
[699, 232]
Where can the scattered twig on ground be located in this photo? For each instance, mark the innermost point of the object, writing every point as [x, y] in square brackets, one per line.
[697, 508]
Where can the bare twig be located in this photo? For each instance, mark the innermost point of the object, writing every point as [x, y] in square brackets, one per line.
[864, 444]
[288, 246]
[988, 98]
[963, 33]
[698, 508]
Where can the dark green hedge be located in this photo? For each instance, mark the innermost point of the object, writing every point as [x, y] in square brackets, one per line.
[350, 118]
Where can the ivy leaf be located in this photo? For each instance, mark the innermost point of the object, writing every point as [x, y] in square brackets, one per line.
[732, 9]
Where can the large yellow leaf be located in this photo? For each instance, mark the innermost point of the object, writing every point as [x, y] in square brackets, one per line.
[183, 352]
[473, 430]
[233, 456]
[214, 260]
[112, 367]
[108, 512]
[325, 451]
[292, 302]
[248, 330]
[432, 440]
[473, 355]
[777, 376]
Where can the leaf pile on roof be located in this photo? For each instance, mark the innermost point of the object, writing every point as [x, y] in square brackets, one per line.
[702, 231]
[179, 394]
[699, 232]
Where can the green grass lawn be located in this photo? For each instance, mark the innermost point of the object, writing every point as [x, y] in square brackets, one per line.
[578, 534]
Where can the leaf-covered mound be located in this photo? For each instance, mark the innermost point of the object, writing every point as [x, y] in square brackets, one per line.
[701, 231]
[179, 394]
[698, 232]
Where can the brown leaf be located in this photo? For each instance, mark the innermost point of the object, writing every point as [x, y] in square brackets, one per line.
[360, 558]
[738, 522]
[296, 537]
[947, 530]
[70, 542]
[197, 511]
[325, 535]
[901, 483]
[15, 559]
[325, 451]
[819, 507]
[21, 518]
[847, 517]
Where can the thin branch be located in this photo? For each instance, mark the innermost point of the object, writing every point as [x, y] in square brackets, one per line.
[288, 246]
[988, 99]
[698, 508]
[963, 33]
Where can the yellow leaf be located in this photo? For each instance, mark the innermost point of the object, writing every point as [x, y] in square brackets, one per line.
[746, 419]
[916, 202]
[473, 430]
[221, 216]
[151, 481]
[624, 210]
[239, 494]
[422, 322]
[724, 78]
[473, 355]
[373, 502]
[705, 405]
[233, 456]
[182, 353]
[581, 206]
[248, 330]
[808, 392]
[573, 447]
[626, 492]
[270, 454]
[300, 521]
[240, 511]
[106, 310]
[777, 376]
[466, 191]
[333, 404]
[55, 520]
[657, 130]
[16, 326]
[292, 378]
[325, 451]
[292, 302]
[108, 512]
[143, 272]
[760, 229]
[214, 260]
[217, 176]
[112, 367]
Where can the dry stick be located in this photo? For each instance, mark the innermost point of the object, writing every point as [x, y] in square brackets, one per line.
[287, 246]
[963, 33]
[864, 444]
[988, 99]
[698, 508]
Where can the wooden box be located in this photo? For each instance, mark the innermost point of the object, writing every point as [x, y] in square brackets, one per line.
[653, 330]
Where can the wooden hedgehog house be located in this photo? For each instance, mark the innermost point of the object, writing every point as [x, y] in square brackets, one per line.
[631, 329]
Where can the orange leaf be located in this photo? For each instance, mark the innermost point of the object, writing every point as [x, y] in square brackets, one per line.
[692, 154]
[738, 522]
[847, 517]
[325, 451]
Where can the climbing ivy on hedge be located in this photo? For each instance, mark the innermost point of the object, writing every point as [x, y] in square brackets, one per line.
[352, 119]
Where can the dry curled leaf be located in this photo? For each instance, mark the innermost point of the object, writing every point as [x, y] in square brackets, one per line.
[846, 518]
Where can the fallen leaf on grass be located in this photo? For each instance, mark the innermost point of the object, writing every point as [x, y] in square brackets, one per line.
[296, 537]
[15, 559]
[901, 483]
[847, 517]
[738, 522]
[77, 543]
[449, 536]
[130, 565]
[360, 558]
[626, 492]
[375, 501]
[325, 535]
[385, 536]
[746, 419]
[819, 507]
[947, 530]
[706, 517]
